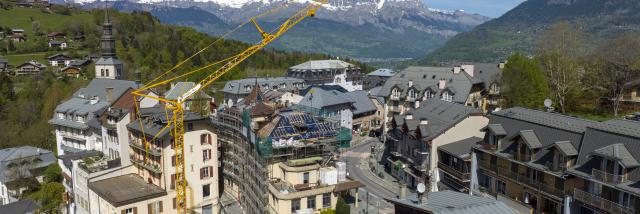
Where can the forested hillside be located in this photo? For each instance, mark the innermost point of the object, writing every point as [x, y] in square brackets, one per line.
[143, 44]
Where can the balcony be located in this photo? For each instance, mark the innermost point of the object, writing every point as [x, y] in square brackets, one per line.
[153, 167]
[487, 165]
[141, 147]
[607, 177]
[600, 203]
[449, 169]
[533, 184]
[411, 99]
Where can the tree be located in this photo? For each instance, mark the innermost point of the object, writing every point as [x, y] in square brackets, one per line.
[616, 66]
[53, 173]
[49, 196]
[557, 51]
[523, 82]
[37, 28]
[328, 211]
[342, 207]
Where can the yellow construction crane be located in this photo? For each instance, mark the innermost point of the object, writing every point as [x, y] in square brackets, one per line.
[176, 106]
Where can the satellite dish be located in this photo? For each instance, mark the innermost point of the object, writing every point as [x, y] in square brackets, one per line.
[548, 103]
[421, 188]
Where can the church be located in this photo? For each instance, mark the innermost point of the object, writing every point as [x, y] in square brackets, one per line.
[108, 66]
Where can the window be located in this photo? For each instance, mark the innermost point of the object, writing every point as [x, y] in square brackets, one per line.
[102, 72]
[106, 72]
[295, 205]
[206, 154]
[173, 160]
[447, 97]
[173, 181]
[305, 178]
[428, 95]
[155, 207]
[130, 210]
[189, 126]
[206, 172]
[412, 94]
[206, 190]
[501, 187]
[311, 202]
[326, 200]
[205, 139]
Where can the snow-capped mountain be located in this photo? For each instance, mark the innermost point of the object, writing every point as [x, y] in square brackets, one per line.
[421, 28]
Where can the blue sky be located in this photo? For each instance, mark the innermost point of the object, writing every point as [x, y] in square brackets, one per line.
[491, 8]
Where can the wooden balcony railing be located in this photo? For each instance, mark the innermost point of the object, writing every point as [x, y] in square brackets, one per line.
[533, 184]
[449, 169]
[607, 177]
[600, 203]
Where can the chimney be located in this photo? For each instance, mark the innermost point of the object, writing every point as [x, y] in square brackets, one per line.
[417, 104]
[109, 91]
[403, 191]
[410, 83]
[442, 83]
[409, 117]
[456, 69]
[469, 69]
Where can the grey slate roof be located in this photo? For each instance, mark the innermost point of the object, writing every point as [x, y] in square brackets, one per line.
[486, 73]
[154, 119]
[182, 87]
[566, 148]
[530, 138]
[19, 154]
[460, 148]
[125, 189]
[362, 103]
[451, 202]
[440, 116]
[19, 207]
[108, 61]
[97, 87]
[58, 56]
[428, 78]
[549, 127]
[239, 86]
[383, 72]
[321, 98]
[617, 152]
[322, 64]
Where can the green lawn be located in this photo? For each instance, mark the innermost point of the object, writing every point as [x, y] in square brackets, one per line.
[19, 17]
[18, 59]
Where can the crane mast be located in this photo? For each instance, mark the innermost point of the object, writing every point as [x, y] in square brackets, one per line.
[177, 108]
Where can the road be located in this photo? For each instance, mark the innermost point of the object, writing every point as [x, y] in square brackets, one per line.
[373, 195]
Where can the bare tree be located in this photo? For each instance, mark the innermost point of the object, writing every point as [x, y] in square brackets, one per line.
[617, 65]
[558, 50]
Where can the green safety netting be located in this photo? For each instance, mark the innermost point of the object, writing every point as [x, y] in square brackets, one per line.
[265, 146]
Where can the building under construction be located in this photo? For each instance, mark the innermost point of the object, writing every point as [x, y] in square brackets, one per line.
[256, 137]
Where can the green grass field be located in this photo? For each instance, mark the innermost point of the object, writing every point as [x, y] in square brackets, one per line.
[19, 17]
[18, 59]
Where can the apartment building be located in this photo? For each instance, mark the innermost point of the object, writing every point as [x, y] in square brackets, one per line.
[329, 72]
[525, 156]
[155, 163]
[472, 85]
[604, 176]
[454, 163]
[414, 138]
[307, 185]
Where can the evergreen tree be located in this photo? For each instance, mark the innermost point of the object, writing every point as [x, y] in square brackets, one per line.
[524, 83]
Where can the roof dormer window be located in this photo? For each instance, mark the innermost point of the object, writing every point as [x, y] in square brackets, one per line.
[446, 96]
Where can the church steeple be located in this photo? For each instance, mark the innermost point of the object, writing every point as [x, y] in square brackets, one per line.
[107, 42]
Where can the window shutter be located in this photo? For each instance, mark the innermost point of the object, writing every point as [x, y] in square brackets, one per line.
[160, 206]
[209, 151]
[174, 204]
[173, 160]
[201, 173]
[150, 208]
[173, 181]
[202, 139]
[122, 212]
[211, 171]
[209, 139]
[135, 210]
